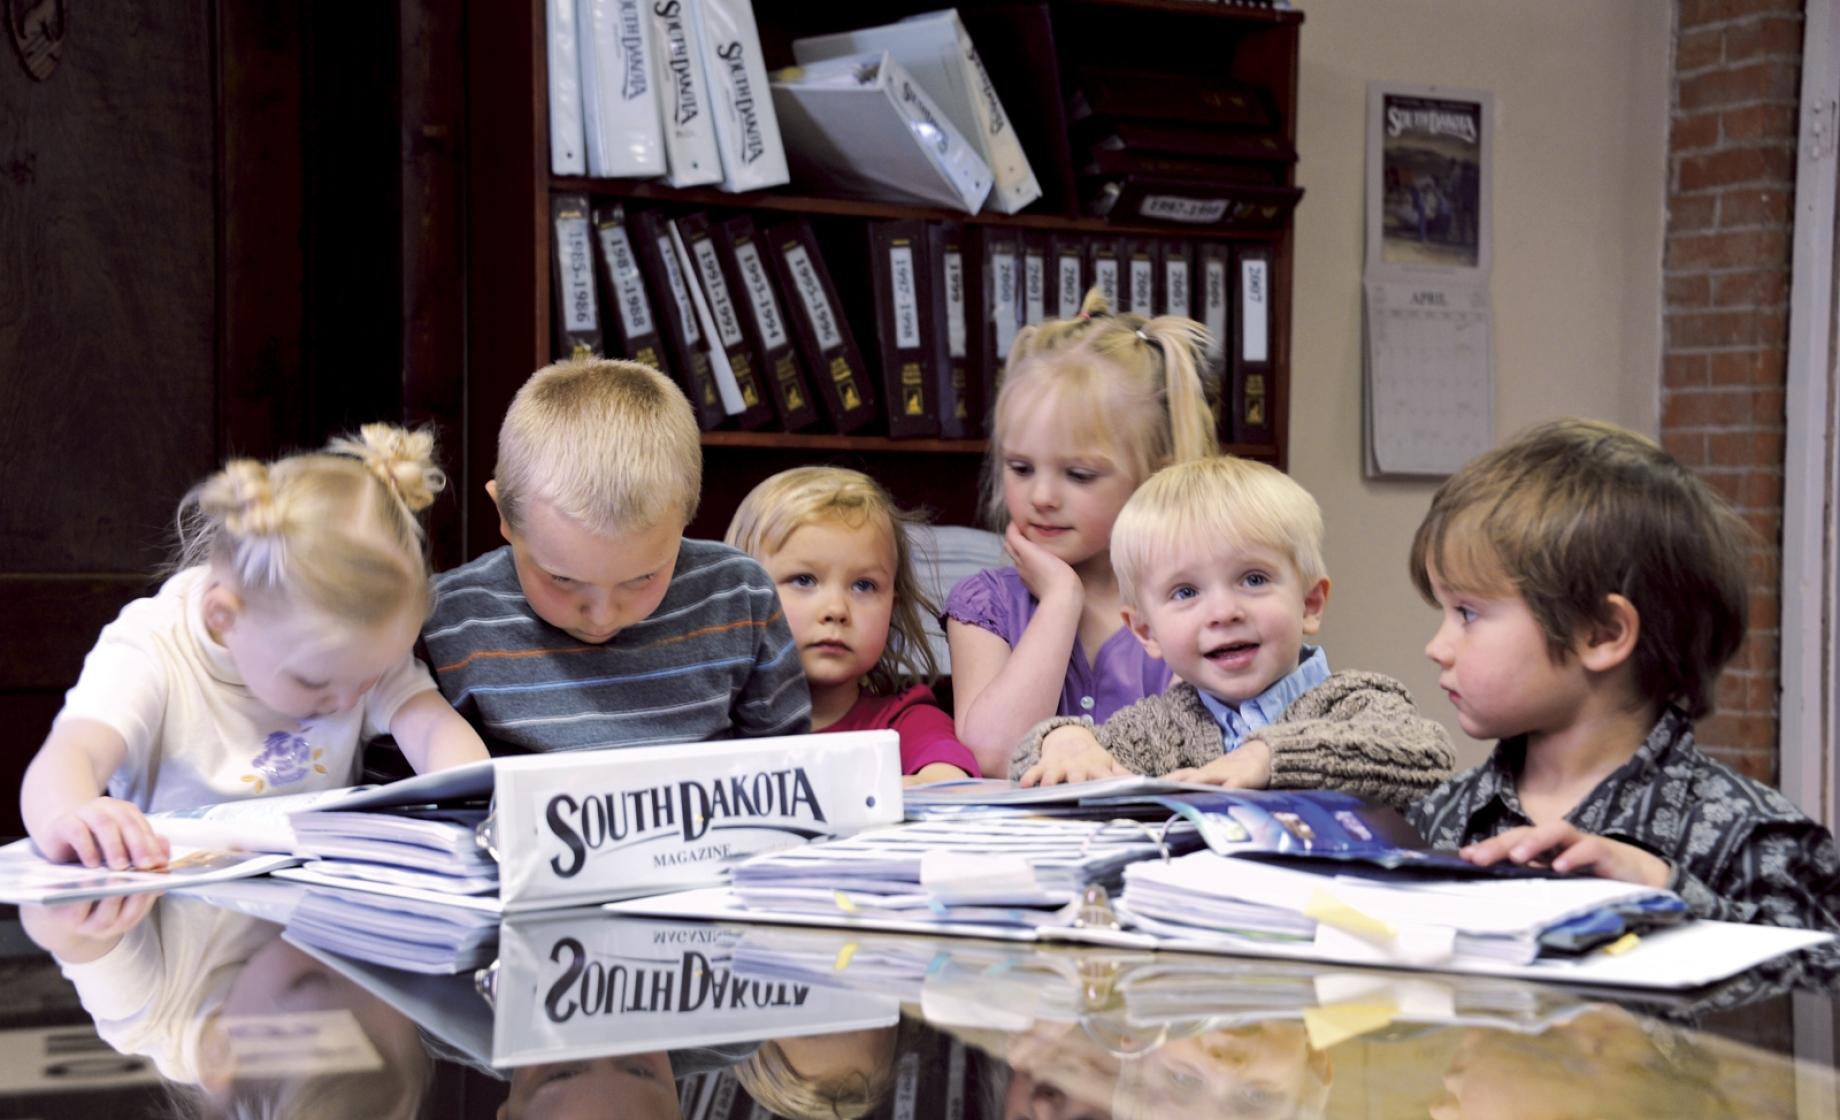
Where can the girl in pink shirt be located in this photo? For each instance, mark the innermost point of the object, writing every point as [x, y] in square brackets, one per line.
[832, 540]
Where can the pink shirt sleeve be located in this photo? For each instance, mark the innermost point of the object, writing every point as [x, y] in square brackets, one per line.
[927, 735]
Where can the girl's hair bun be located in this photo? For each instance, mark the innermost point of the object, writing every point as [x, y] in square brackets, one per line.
[403, 460]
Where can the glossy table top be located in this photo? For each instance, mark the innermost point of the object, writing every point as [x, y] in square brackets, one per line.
[582, 1014]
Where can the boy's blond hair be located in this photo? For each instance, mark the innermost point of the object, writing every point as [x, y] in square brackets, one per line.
[334, 531]
[1219, 502]
[1138, 387]
[1572, 511]
[792, 499]
[610, 445]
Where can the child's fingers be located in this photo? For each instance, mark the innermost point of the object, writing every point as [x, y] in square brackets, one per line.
[76, 838]
[1032, 776]
[147, 848]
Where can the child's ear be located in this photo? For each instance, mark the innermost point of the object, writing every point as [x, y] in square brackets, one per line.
[504, 527]
[1314, 600]
[1139, 625]
[221, 607]
[1611, 640]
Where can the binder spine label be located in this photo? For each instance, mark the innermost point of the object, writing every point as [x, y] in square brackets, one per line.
[817, 307]
[675, 280]
[1176, 297]
[1034, 287]
[760, 296]
[686, 101]
[629, 290]
[1067, 287]
[577, 271]
[906, 299]
[1255, 310]
[1105, 276]
[1003, 300]
[721, 307]
[1143, 285]
[1214, 308]
[752, 143]
[957, 342]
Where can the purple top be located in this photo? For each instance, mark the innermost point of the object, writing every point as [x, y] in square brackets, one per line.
[996, 600]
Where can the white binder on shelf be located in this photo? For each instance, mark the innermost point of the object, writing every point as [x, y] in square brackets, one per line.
[726, 386]
[619, 96]
[567, 153]
[691, 156]
[937, 50]
[861, 125]
[747, 132]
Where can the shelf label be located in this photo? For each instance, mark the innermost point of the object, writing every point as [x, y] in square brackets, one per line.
[1175, 208]
[955, 305]
[628, 288]
[1034, 287]
[674, 279]
[811, 294]
[577, 272]
[1143, 286]
[906, 298]
[1068, 290]
[1003, 300]
[1176, 299]
[1105, 278]
[1254, 310]
[721, 308]
[1214, 308]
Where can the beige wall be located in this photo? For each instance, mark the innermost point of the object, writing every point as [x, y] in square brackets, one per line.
[1581, 94]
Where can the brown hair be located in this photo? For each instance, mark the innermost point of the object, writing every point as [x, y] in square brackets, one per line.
[1134, 384]
[1573, 511]
[789, 500]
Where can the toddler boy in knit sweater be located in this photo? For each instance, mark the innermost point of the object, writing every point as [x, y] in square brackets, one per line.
[1219, 566]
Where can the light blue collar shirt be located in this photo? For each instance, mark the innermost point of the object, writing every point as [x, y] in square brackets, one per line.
[1238, 723]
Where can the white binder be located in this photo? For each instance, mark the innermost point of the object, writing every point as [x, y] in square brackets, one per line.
[689, 125]
[937, 50]
[619, 95]
[862, 125]
[567, 155]
[747, 132]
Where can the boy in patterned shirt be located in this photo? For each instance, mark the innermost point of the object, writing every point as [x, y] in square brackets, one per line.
[1592, 590]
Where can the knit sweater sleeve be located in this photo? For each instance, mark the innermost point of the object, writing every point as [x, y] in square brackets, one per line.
[1359, 732]
[1151, 737]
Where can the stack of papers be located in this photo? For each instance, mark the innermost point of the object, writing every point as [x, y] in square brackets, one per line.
[1410, 918]
[397, 932]
[1007, 870]
[430, 848]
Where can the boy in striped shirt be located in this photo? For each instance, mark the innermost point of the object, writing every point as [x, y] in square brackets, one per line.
[597, 624]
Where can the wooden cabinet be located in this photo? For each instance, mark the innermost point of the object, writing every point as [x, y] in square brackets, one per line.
[1034, 54]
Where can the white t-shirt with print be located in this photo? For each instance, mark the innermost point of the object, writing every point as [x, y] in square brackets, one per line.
[195, 733]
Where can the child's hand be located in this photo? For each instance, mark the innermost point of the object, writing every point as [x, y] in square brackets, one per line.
[1072, 754]
[1043, 573]
[934, 772]
[1248, 767]
[103, 831]
[79, 932]
[1562, 846]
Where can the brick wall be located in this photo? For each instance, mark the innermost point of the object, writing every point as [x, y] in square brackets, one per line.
[1731, 182]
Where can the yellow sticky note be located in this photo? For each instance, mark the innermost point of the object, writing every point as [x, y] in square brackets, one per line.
[845, 903]
[843, 957]
[1338, 1022]
[1622, 944]
[1332, 911]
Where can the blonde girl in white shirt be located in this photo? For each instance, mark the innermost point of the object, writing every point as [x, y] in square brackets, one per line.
[282, 642]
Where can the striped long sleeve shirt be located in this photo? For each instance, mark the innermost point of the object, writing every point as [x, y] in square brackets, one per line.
[716, 660]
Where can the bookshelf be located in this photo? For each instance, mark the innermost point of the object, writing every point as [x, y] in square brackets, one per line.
[1032, 52]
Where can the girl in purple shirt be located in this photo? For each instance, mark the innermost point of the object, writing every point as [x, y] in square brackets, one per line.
[833, 541]
[1090, 407]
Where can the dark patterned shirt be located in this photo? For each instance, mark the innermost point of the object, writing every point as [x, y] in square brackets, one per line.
[1740, 851]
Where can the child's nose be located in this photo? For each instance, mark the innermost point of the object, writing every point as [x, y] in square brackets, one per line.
[1438, 648]
[1043, 492]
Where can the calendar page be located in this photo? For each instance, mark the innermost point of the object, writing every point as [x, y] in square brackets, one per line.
[1429, 384]
[1427, 358]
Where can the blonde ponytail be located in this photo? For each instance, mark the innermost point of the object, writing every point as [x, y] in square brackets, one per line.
[1136, 385]
[334, 530]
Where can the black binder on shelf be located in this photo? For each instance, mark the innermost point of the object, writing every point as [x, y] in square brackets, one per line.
[1034, 306]
[1175, 279]
[1107, 94]
[961, 413]
[1068, 276]
[1140, 268]
[1219, 204]
[686, 348]
[632, 326]
[1248, 391]
[578, 323]
[999, 306]
[1105, 269]
[836, 365]
[1214, 309]
[904, 309]
[769, 334]
[725, 317]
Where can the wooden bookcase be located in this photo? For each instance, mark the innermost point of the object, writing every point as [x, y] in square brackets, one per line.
[509, 184]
